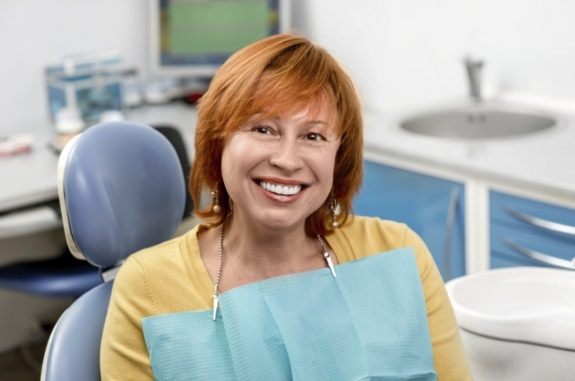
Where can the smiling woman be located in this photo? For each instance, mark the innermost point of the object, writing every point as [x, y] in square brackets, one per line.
[281, 282]
[272, 78]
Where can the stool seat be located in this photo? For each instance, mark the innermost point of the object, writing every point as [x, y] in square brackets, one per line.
[63, 276]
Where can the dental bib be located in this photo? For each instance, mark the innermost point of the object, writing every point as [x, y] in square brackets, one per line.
[367, 323]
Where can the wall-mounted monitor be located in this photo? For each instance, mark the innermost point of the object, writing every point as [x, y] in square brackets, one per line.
[192, 38]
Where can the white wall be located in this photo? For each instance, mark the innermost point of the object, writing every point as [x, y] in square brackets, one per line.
[34, 33]
[407, 53]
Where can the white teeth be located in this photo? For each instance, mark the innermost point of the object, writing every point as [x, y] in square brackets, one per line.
[285, 190]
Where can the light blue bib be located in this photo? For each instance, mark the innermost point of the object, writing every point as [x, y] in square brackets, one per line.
[368, 323]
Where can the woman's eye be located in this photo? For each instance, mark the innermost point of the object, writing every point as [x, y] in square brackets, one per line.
[315, 137]
[262, 130]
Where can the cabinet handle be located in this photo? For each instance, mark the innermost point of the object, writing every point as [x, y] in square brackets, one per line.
[449, 227]
[552, 226]
[538, 256]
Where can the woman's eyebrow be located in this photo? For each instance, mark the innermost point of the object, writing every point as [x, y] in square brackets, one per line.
[317, 122]
[263, 116]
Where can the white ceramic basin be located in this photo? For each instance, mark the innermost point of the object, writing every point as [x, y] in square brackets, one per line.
[483, 121]
[526, 304]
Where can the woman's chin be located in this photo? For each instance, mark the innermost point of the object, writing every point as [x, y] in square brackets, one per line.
[279, 222]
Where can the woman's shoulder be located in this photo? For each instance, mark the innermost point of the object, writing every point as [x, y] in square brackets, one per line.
[156, 259]
[375, 231]
[166, 258]
[365, 224]
[167, 275]
[363, 236]
[161, 250]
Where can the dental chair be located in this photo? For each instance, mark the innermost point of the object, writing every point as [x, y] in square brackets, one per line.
[63, 276]
[121, 189]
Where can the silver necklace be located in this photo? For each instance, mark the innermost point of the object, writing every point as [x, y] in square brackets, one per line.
[216, 295]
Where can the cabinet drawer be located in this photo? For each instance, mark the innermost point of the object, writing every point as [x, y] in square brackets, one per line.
[535, 216]
[526, 248]
[498, 261]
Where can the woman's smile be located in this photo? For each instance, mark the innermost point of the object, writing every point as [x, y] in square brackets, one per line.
[285, 190]
[280, 191]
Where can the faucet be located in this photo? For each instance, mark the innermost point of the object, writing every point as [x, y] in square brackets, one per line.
[473, 68]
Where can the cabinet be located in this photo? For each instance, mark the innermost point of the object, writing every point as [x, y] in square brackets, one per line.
[432, 207]
[526, 232]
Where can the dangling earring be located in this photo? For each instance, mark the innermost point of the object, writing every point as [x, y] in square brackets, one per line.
[216, 202]
[335, 209]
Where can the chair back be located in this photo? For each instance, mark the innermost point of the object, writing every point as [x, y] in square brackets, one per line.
[121, 189]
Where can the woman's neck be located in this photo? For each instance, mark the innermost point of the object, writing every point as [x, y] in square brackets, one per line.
[255, 253]
[261, 247]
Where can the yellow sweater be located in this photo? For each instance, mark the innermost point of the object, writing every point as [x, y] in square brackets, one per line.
[171, 277]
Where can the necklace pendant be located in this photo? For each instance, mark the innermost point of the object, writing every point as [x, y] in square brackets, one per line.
[327, 257]
[215, 305]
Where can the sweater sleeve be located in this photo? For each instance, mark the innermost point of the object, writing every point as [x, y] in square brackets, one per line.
[449, 357]
[123, 353]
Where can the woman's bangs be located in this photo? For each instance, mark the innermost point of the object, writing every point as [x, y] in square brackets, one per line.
[278, 95]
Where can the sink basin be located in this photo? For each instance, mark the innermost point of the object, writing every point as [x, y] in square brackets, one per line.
[532, 304]
[517, 323]
[476, 122]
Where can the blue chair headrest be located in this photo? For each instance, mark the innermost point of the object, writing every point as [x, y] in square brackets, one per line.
[121, 189]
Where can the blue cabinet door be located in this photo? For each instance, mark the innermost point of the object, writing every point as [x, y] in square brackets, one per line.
[432, 207]
[526, 232]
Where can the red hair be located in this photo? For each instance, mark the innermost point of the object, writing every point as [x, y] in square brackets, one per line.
[278, 73]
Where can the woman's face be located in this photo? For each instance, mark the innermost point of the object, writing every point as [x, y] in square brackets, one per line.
[279, 169]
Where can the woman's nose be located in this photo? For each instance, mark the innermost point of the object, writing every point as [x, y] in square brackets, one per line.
[286, 156]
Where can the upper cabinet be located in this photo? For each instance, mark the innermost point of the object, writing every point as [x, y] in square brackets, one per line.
[432, 207]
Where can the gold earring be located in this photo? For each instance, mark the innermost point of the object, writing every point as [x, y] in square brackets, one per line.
[335, 209]
[216, 202]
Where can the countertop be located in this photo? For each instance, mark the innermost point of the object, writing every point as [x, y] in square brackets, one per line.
[542, 161]
[30, 178]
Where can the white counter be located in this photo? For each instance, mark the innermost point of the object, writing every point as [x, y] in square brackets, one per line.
[542, 161]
